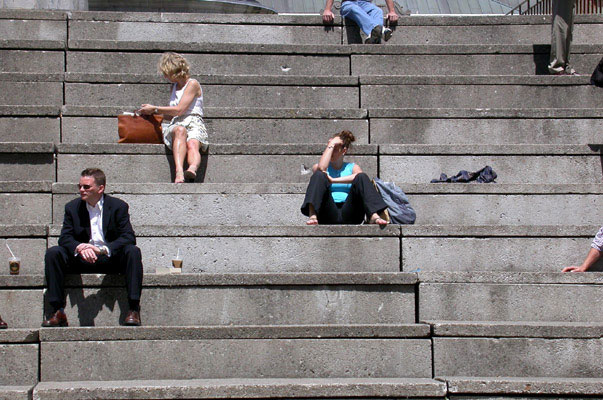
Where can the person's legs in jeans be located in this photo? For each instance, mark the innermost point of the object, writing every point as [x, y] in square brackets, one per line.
[365, 14]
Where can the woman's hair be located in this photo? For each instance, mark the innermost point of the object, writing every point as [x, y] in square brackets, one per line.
[347, 138]
[174, 65]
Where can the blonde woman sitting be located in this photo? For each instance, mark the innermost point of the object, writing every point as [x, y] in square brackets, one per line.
[185, 132]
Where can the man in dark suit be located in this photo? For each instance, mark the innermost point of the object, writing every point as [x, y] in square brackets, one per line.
[96, 237]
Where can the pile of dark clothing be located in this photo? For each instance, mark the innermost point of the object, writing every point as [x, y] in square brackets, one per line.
[484, 175]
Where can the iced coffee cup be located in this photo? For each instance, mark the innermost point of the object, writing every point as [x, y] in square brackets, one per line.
[177, 262]
[14, 265]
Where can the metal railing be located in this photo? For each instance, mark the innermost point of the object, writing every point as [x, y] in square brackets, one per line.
[543, 7]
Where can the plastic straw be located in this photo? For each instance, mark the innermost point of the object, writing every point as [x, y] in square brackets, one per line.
[11, 252]
[177, 255]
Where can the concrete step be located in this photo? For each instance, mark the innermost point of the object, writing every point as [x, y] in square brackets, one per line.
[534, 63]
[536, 386]
[22, 30]
[223, 29]
[29, 65]
[485, 126]
[523, 296]
[152, 163]
[25, 203]
[121, 31]
[292, 163]
[93, 66]
[31, 94]
[503, 349]
[230, 125]
[510, 248]
[28, 129]
[293, 92]
[556, 164]
[509, 329]
[243, 388]
[222, 299]
[477, 92]
[517, 357]
[28, 242]
[279, 204]
[87, 65]
[389, 126]
[19, 369]
[22, 299]
[27, 161]
[235, 358]
[229, 249]
[16, 392]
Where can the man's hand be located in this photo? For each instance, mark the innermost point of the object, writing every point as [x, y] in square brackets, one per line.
[574, 268]
[327, 16]
[88, 252]
[392, 17]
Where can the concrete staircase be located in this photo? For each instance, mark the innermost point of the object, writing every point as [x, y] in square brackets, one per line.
[467, 303]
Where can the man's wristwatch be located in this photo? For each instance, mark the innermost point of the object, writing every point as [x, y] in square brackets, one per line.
[103, 251]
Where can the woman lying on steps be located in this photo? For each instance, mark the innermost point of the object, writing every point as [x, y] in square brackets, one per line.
[339, 192]
[185, 133]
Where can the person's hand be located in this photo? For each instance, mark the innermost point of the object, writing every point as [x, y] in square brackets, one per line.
[392, 17]
[88, 252]
[328, 176]
[327, 16]
[574, 268]
[335, 141]
[146, 109]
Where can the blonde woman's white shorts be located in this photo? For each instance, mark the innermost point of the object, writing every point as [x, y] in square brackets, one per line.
[195, 129]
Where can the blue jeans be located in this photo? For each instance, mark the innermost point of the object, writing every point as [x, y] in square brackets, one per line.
[365, 14]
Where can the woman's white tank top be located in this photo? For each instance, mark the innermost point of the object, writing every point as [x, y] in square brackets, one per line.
[196, 106]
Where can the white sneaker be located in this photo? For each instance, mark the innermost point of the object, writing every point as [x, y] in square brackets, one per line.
[375, 36]
[386, 34]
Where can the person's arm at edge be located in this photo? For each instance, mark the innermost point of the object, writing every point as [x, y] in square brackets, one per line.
[327, 15]
[392, 16]
[591, 258]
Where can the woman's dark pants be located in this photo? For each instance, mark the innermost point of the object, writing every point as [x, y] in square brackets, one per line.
[362, 200]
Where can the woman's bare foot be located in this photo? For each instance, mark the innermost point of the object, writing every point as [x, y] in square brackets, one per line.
[376, 219]
[179, 177]
[190, 175]
[313, 220]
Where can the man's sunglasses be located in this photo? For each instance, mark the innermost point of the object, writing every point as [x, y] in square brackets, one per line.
[85, 187]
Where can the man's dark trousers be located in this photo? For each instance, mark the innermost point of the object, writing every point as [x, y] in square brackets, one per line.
[59, 262]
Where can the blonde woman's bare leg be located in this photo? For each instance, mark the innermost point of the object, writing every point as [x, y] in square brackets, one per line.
[193, 157]
[179, 151]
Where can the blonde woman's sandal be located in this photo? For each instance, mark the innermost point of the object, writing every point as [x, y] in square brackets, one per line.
[190, 175]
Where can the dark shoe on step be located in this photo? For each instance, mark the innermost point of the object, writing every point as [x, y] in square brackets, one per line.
[132, 319]
[57, 319]
[3, 324]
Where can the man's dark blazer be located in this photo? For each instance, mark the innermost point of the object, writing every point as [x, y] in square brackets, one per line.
[116, 225]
